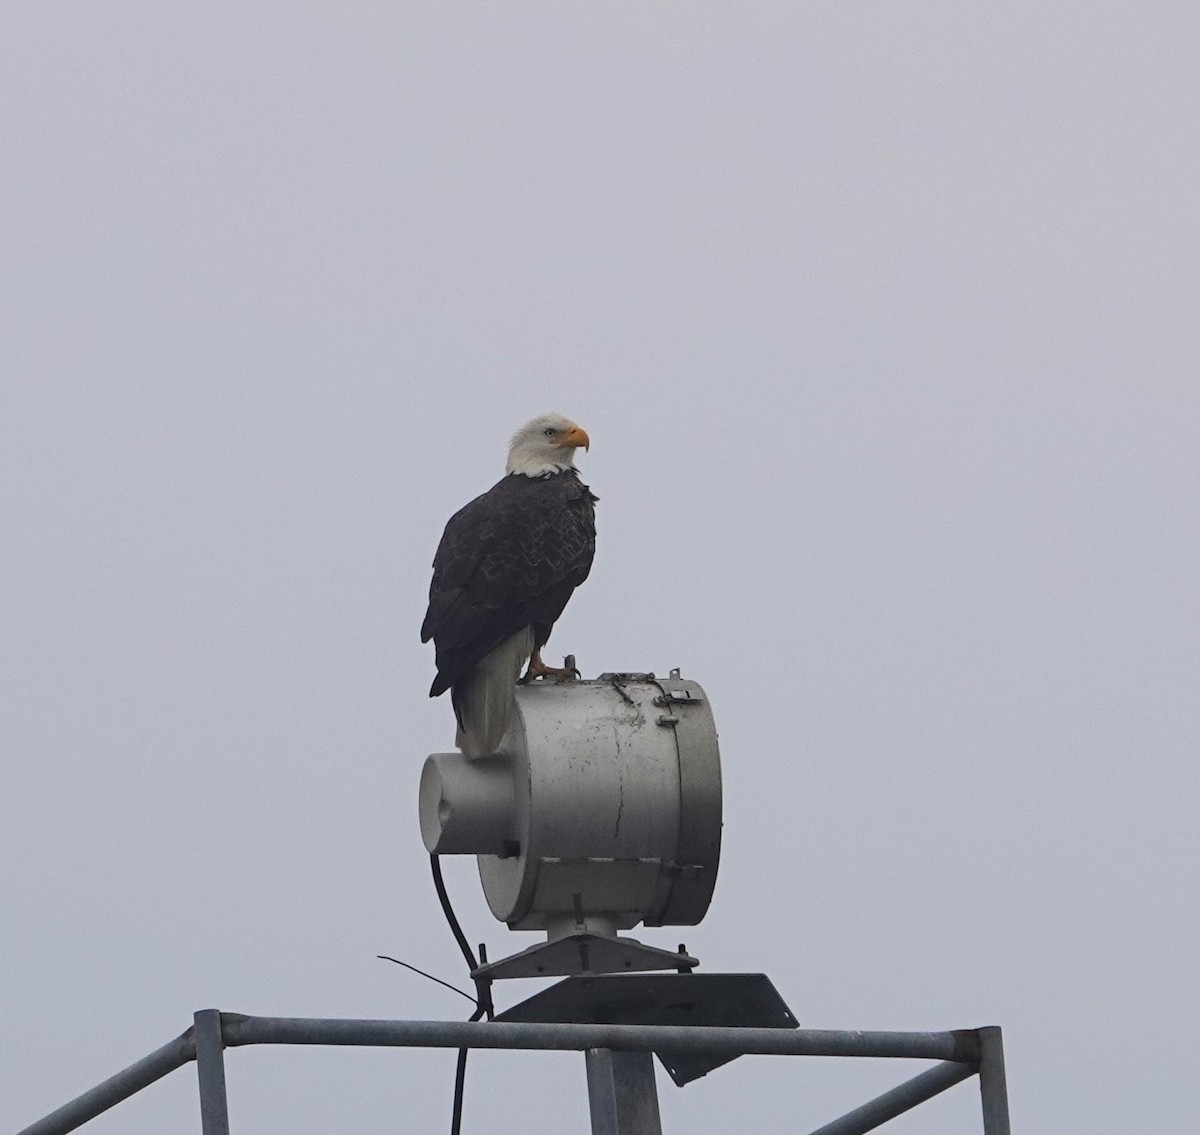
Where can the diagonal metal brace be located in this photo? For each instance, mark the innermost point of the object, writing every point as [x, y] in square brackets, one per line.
[900, 1099]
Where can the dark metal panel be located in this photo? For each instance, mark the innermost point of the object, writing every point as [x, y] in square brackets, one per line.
[112, 1091]
[210, 1068]
[742, 1000]
[899, 1100]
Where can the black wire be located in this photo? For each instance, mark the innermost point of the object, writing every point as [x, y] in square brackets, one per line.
[460, 992]
[483, 987]
[440, 885]
[460, 1079]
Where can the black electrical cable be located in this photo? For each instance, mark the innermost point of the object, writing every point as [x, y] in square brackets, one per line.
[483, 987]
[460, 1080]
[440, 886]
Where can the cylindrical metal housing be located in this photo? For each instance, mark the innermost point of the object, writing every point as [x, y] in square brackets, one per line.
[603, 805]
[466, 805]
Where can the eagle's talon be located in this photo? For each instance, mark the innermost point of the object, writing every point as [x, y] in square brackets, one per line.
[538, 669]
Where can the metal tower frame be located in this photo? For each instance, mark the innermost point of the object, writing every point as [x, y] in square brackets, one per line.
[620, 1072]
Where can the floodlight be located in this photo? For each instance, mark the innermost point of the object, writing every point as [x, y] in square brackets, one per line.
[601, 809]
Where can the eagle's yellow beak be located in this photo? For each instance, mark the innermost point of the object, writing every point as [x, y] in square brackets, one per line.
[576, 438]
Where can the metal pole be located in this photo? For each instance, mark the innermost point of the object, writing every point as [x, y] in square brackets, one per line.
[899, 1100]
[960, 1046]
[116, 1088]
[210, 1069]
[968, 1050]
[993, 1087]
[621, 1093]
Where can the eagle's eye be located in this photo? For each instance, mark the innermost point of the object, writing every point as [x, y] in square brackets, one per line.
[549, 431]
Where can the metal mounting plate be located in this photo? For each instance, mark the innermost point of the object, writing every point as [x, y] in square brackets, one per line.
[745, 1000]
[583, 954]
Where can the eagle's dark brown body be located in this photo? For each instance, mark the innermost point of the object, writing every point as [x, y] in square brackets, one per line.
[507, 563]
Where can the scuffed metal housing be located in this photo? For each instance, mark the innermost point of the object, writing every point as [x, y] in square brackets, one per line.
[601, 810]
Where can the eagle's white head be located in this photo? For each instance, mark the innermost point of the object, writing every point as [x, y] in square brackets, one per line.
[545, 445]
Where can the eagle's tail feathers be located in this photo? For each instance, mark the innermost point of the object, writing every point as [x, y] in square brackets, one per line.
[485, 698]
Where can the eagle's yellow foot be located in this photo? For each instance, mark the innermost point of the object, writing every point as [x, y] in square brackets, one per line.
[538, 669]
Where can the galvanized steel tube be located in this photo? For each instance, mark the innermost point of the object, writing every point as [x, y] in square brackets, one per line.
[959, 1046]
[210, 1068]
[899, 1100]
[112, 1091]
[622, 1095]
[993, 1086]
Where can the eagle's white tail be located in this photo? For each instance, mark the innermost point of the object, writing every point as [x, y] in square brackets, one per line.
[484, 700]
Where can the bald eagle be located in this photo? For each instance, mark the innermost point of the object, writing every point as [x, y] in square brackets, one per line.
[504, 570]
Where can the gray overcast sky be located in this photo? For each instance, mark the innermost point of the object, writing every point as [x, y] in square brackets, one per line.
[883, 321]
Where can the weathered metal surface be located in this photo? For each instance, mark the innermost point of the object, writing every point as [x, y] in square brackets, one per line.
[210, 1071]
[598, 800]
[112, 1091]
[700, 803]
[899, 1100]
[965, 1050]
[993, 1085]
[599, 807]
[958, 1046]
[622, 1096]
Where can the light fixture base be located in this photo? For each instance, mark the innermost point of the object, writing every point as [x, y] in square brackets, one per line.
[586, 953]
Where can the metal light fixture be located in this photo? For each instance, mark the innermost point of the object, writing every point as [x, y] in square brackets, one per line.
[602, 809]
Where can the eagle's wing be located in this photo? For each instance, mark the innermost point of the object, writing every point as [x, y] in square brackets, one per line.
[508, 560]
